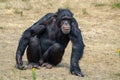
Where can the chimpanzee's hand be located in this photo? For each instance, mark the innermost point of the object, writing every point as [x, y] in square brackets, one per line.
[20, 67]
[77, 73]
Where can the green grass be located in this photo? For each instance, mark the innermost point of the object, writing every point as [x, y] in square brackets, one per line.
[18, 11]
[100, 4]
[117, 74]
[25, 0]
[116, 5]
[33, 74]
[3, 0]
[84, 11]
[118, 51]
[1, 27]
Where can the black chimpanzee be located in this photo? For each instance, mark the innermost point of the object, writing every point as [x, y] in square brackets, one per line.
[47, 39]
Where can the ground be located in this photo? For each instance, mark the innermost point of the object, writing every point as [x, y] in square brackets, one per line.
[98, 20]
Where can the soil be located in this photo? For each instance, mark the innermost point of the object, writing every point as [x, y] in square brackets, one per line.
[100, 26]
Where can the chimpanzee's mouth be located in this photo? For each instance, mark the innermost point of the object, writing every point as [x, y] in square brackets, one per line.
[66, 28]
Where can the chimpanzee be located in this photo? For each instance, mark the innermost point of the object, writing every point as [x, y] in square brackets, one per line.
[47, 39]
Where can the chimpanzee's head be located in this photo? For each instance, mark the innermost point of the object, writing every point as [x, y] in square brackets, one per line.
[64, 17]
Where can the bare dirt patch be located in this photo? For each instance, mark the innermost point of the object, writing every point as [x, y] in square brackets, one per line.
[100, 26]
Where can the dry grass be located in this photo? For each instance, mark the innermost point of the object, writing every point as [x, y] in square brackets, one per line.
[100, 27]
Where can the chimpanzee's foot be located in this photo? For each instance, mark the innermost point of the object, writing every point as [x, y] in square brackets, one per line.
[33, 65]
[77, 73]
[47, 65]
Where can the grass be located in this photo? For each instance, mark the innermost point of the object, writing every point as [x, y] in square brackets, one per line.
[25, 0]
[116, 5]
[1, 27]
[84, 11]
[100, 33]
[33, 74]
[8, 7]
[29, 7]
[18, 11]
[100, 4]
[117, 74]
[118, 51]
[3, 0]
[67, 6]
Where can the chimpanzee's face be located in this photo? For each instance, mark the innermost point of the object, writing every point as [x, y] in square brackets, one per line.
[64, 16]
[65, 26]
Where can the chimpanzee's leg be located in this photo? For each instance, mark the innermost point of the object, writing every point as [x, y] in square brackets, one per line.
[52, 56]
[33, 52]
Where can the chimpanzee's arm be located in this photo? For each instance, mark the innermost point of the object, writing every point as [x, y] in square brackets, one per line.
[35, 29]
[77, 48]
[47, 19]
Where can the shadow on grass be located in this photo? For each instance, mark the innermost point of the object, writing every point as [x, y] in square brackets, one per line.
[64, 65]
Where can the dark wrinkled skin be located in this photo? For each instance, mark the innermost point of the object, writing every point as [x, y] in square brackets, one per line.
[47, 39]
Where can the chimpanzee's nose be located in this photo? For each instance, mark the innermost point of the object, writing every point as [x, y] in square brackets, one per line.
[66, 23]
